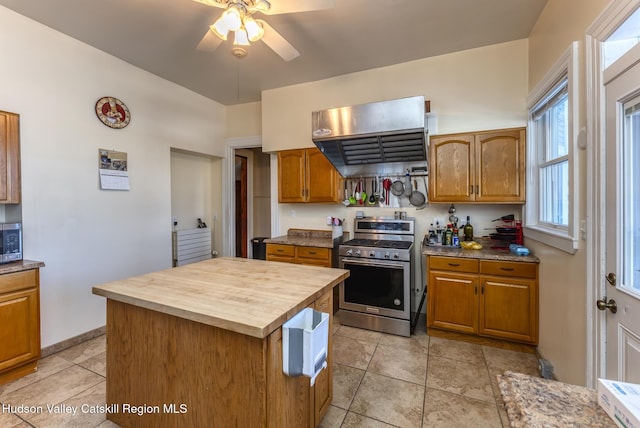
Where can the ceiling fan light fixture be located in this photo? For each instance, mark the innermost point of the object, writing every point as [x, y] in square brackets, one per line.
[261, 6]
[254, 29]
[241, 38]
[220, 29]
[232, 19]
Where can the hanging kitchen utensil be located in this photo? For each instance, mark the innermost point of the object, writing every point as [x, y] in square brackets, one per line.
[397, 188]
[377, 192]
[387, 186]
[363, 194]
[407, 185]
[352, 198]
[372, 196]
[346, 201]
[417, 198]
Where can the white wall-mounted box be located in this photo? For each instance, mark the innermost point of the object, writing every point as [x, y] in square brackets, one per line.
[305, 339]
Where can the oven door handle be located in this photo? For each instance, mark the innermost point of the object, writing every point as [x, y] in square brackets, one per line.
[368, 262]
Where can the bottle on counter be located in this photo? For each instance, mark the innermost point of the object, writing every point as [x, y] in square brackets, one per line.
[468, 230]
[439, 237]
[432, 235]
[448, 236]
[455, 240]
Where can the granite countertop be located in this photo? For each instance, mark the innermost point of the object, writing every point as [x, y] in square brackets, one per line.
[534, 402]
[485, 254]
[252, 297]
[307, 238]
[19, 266]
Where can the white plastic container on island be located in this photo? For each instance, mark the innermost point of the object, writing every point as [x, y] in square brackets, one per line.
[621, 401]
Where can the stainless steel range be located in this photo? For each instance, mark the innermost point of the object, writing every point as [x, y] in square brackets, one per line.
[378, 293]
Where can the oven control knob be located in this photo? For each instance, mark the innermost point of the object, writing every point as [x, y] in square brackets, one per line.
[396, 256]
[349, 252]
[387, 255]
[372, 254]
[358, 253]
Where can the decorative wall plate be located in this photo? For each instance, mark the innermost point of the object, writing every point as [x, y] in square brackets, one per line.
[113, 112]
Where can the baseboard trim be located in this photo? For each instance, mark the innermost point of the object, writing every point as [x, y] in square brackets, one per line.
[68, 343]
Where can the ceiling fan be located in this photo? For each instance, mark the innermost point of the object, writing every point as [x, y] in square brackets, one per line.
[238, 21]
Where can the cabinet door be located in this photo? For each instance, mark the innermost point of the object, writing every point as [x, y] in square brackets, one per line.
[509, 308]
[291, 176]
[322, 178]
[19, 328]
[451, 168]
[453, 301]
[9, 158]
[323, 388]
[500, 166]
[288, 398]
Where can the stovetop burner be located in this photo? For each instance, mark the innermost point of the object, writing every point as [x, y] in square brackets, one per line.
[385, 243]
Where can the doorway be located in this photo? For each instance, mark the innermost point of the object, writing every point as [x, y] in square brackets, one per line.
[613, 84]
[247, 206]
[241, 206]
[620, 299]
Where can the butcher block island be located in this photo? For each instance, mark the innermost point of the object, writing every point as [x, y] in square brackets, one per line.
[201, 345]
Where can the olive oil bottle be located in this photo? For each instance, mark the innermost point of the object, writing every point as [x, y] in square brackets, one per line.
[468, 230]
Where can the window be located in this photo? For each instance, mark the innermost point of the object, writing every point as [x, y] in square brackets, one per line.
[551, 198]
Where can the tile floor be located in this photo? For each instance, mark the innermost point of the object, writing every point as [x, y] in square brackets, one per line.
[379, 380]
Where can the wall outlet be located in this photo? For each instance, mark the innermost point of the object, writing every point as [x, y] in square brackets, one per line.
[292, 213]
[328, 220]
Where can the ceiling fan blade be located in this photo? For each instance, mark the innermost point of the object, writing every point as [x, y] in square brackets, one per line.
[277, 43]
[293, 6]
[209, 42]
[214, 3]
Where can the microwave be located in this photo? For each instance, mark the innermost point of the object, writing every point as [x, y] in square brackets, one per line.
[10, 242]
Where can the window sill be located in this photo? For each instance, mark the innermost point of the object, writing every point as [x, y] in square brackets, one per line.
[553, 238]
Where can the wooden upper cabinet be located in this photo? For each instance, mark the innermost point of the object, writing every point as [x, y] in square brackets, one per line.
[500, 162]
[478, 167]
[305, 175]
[451, 168]
[9, 158]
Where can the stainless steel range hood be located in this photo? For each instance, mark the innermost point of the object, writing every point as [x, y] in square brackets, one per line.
[386, 137]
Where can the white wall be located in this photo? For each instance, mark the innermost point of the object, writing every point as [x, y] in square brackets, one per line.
[84, 235]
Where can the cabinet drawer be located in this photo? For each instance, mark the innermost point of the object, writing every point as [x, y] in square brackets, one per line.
[313, 253]
[513, 269]
[280, 250]
[453, 264]
[18, 280]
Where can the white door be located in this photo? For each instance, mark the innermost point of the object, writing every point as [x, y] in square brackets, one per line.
[621, 295]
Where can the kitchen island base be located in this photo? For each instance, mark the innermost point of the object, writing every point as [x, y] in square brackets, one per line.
[201, 345]
[169, 371]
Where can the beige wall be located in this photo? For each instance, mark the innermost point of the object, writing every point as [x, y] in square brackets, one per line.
[563, 283]
[477, 89]
[244, 120]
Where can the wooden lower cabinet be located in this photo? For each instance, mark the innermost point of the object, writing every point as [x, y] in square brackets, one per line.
[19, 324]
[281, 253]
[485, 297]
[315, 256]
[213, 377]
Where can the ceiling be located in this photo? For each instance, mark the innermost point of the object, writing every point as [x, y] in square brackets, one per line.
[160, 36]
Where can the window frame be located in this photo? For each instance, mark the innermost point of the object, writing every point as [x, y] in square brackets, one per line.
[563, 238]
